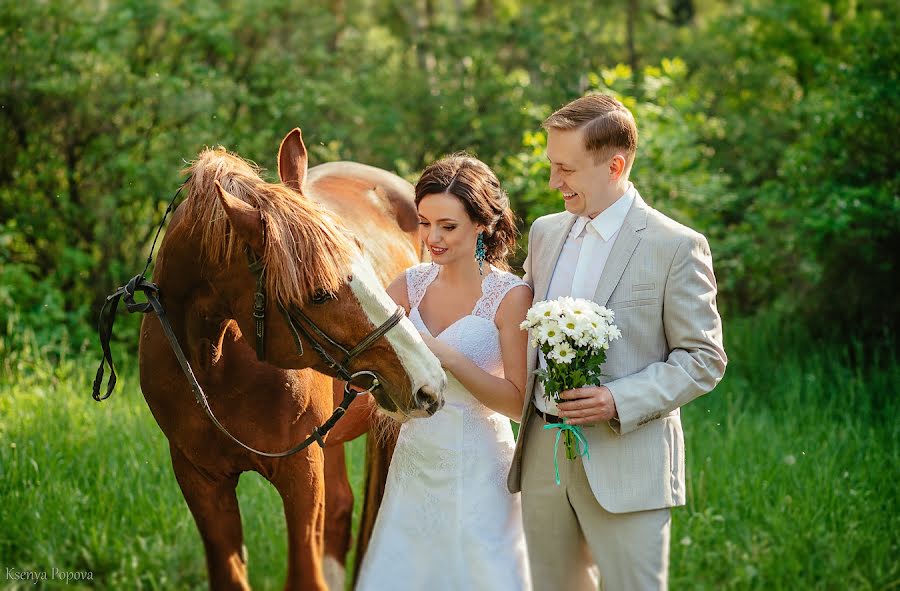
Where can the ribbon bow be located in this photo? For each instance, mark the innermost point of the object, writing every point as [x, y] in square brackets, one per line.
[579, 437]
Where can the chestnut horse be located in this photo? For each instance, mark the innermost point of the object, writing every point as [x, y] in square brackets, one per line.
[311, 266]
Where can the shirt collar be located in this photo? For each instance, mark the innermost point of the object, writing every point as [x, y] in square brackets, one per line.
[610, 220]
[580, 222]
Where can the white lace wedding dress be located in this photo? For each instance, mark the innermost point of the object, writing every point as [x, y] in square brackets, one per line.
[447, 520]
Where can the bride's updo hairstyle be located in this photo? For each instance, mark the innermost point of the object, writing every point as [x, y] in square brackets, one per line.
[473, 182]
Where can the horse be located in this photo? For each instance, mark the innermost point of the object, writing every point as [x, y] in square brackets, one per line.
[270, 378]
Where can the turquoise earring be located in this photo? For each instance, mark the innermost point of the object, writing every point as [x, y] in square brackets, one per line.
[480, 252]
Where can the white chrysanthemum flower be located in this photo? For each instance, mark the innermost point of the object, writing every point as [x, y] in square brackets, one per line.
[562, 353]
[602, 311]
[613, 332]
[533, 316]
[586, 340]
[592, 316]
[584, 332]
[547, 309]
[566, 302]
[570, 327]
[580, 307]
[555, 335]
[549, 332]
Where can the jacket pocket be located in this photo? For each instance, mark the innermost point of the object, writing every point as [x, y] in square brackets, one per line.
[632, 303]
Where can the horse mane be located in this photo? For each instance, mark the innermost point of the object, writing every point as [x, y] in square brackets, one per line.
[306, 249]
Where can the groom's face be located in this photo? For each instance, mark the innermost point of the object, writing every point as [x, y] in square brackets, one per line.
[583, 183]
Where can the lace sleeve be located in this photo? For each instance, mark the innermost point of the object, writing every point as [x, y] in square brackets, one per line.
[494, 292]
[417, 279]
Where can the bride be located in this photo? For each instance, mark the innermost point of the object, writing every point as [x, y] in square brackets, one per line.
[447, 520]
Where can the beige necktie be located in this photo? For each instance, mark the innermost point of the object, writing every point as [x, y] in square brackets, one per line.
[584, 284]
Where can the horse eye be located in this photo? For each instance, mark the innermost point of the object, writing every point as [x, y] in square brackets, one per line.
[321, 296]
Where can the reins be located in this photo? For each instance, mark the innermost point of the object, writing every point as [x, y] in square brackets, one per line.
[296, 319]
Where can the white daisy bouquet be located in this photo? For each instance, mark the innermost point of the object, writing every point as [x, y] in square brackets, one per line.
[574, 335]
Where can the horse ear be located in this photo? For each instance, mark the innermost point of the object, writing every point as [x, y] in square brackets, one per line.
[292, 160]
[245, 219]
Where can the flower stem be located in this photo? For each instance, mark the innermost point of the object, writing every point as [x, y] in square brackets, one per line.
[570, 451]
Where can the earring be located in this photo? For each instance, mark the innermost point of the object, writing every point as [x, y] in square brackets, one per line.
[480, 252]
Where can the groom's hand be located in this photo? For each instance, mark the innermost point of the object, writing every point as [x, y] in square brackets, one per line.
[586, 406]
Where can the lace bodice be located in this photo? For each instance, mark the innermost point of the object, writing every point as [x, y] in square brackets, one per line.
[475, 335]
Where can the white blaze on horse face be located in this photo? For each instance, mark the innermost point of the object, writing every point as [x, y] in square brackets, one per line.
[422, 367]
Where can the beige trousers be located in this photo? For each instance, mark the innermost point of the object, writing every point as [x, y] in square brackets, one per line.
[568, 532]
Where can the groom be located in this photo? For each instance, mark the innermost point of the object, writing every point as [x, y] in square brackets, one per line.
[612, 509]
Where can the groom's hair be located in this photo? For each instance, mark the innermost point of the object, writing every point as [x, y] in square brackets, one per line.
[609, 126]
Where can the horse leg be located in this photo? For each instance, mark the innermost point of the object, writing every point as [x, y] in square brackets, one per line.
[300, 482]
[338, 516]
[213, 503]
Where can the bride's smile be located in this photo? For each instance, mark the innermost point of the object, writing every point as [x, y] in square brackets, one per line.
[447, 229]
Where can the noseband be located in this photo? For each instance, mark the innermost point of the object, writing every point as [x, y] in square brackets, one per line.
[298, 323]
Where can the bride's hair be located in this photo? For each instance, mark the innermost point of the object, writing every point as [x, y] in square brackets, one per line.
[474, 183]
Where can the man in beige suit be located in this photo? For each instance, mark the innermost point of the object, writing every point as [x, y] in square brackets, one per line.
[612, 509]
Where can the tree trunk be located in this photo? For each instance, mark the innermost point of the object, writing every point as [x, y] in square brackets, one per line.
[633, 59]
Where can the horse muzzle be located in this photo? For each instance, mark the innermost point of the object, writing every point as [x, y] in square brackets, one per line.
[428, 401]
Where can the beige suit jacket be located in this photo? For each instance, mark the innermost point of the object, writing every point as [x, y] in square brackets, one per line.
[659, 282]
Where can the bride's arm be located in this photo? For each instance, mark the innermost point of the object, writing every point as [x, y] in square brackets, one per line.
[504, 395]
[397, 291]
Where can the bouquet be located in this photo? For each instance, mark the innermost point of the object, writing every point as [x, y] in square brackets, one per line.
[574, 335]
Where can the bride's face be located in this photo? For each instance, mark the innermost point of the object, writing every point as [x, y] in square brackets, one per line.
[445, 227]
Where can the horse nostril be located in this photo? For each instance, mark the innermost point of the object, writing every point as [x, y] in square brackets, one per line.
[428, 401]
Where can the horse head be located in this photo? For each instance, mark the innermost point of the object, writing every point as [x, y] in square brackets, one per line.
[295, 281]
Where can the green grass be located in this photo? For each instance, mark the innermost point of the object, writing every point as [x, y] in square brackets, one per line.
[792, 468]
[87, 486]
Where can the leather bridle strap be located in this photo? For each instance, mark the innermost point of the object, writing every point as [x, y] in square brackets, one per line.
[151, 291]
[298, 322]
[257, 267]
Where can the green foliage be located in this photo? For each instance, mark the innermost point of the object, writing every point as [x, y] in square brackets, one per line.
[815, 220]
[766, 125]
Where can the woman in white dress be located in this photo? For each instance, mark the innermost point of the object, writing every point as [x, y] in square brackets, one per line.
[447, 520]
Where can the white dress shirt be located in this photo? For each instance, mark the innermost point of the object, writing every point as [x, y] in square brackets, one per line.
[580, 264]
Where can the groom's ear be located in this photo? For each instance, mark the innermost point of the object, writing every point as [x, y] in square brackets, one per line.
[617, 167]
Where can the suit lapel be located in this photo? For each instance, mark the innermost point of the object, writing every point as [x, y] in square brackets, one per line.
[556, 238]
[624, 246]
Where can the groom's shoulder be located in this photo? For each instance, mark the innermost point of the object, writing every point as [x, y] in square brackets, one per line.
[548, 220]
[667, 229]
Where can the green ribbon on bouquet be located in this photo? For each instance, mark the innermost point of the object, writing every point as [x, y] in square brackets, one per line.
[570, 431]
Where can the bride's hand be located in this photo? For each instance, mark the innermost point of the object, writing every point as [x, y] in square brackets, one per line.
[444, 352]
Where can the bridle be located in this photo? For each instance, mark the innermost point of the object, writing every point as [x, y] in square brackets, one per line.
[298, 322]
[301, 324]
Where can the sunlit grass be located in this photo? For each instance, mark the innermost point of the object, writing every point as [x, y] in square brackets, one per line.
[792, 467]
[88, 486]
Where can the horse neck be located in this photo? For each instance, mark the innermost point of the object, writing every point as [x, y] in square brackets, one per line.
[186, 283]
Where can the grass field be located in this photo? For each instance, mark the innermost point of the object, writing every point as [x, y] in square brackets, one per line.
[792, 470]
